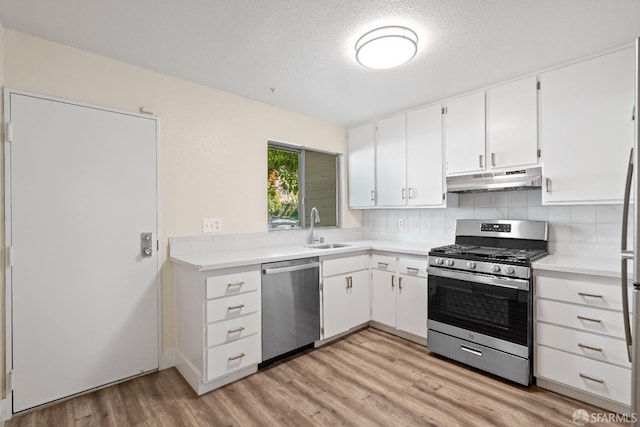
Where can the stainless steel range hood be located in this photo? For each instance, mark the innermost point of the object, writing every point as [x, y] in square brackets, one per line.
[522, 179]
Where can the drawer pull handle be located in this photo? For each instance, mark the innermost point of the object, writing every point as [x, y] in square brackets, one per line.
[413, 270]
[236, 307]
[236, 330]
[582, 294]
[588, 347]
[589, 319]
[595, 380]
[384, 265]
[235, 284]
[239, 356]
[471, 350]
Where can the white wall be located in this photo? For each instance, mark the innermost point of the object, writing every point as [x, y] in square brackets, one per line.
[213, 145]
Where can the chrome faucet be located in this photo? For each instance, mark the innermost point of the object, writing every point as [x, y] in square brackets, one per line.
[313, 237]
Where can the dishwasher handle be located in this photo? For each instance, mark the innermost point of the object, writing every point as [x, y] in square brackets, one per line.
[278, 270]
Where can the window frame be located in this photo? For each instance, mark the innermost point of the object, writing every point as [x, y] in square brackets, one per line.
[300, 149]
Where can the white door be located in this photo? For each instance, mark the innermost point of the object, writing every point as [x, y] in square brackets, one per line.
[359, 300]
[336, 310]
[586, 131]
[425, 177]
[412, 305]
[391, 175]
[512, 124]
[361, 167]
[464, 134]
[81, 188]
[383, 297]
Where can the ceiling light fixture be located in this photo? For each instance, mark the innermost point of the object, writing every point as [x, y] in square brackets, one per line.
[386, 47]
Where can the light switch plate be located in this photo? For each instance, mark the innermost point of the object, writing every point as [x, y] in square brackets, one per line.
[211, 225]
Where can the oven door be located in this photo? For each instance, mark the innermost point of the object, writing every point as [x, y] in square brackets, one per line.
[479, 307]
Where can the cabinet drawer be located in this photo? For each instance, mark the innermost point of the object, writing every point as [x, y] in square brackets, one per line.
[581, 317]
[231, 307]
[230, 357]
[333, 267]
[585, 344]
[232, 330]
[413, 266]
[612, 382]
[383, 262]
[580, 292]
[232, 284]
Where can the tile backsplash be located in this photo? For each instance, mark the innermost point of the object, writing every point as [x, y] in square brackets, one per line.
[587, 230]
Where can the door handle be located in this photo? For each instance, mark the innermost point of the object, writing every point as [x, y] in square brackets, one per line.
[146, 245]
[626, 255]
[548, 185]
[493, 159]
[480, 160]
[393, 277]
[404, 194]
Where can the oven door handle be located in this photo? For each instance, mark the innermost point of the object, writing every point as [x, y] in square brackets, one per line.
[504, 282]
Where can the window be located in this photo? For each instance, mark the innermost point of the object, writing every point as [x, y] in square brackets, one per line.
[299, 179]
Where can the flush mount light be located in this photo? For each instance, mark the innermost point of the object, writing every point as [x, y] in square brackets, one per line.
[386, 47]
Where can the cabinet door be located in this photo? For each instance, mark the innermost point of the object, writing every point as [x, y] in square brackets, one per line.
[464, 131]
[336, 311]
[391, 176]
[361, 166]
[412, 305]
[359, 301]
[425, 174]
[512, 124]
[383, 297]
[586, 131]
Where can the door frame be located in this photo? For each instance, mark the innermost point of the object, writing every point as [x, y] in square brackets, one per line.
[6, 260]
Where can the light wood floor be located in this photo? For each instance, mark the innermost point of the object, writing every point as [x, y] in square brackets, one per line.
[367, 378]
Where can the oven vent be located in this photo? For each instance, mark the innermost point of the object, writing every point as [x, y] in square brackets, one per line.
[523, 179]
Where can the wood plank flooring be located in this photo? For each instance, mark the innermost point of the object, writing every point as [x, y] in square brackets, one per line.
[368, 378]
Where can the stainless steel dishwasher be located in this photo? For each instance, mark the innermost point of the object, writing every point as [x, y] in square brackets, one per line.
[290, 307]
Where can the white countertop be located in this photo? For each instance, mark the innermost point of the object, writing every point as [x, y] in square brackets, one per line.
[607, 267]
[204, 261]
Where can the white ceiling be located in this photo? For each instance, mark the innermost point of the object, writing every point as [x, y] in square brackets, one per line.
[305, 48]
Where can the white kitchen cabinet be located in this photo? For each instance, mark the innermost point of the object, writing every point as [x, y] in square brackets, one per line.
[464, 134]
[361, 166]
[218, 325]
[391, 159]
[512, 124]
[399, 293]
[425, 166]
[383, 289]
[346, 294]
[579, 338]
[586, 132]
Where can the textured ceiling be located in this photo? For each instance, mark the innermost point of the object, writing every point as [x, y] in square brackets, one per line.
[305, 48]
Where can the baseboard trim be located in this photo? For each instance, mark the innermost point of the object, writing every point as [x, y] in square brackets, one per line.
[168, 359]
[6, 411]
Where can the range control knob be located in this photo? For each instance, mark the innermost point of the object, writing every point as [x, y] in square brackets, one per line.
[495, 268]
[471, 265]
[449, 262]
[509, 270]
[439, 261]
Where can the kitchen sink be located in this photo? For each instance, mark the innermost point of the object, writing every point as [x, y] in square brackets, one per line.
[328, 245]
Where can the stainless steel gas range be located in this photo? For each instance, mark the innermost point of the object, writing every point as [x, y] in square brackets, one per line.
[480, 306]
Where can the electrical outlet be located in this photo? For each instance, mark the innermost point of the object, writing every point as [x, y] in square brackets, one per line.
[211, 225]
[401, 223]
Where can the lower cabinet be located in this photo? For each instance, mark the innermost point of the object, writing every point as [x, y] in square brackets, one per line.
[345, 294]
[399, 293]
[218, 325]
[580, 348]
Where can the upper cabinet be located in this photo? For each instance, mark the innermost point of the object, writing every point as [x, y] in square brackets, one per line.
[586, 131]
[361, 166]
[464, 134]
[512, 124]
[391, 159]
[425, 172]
